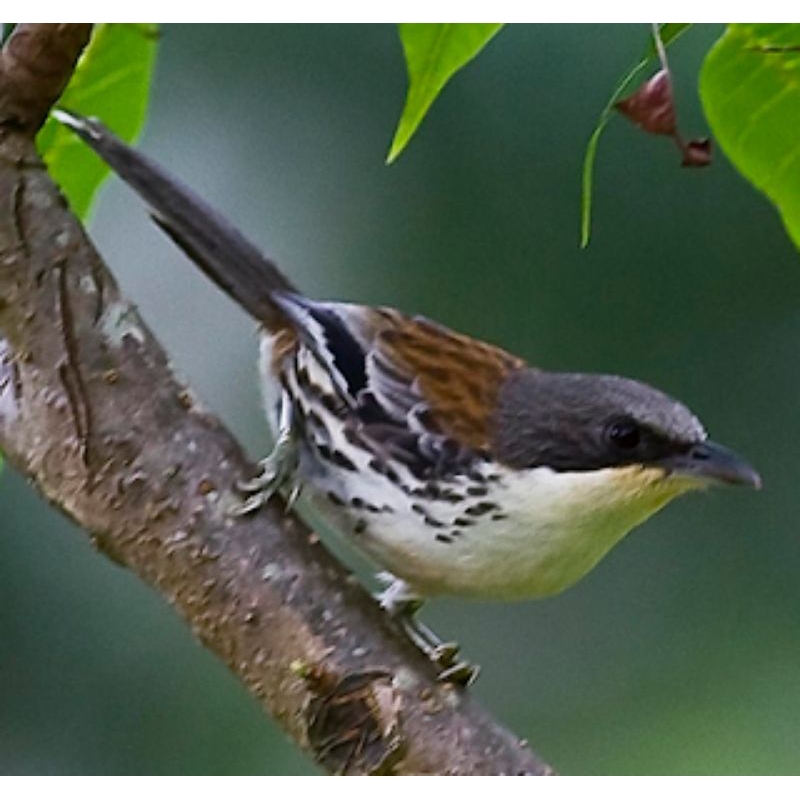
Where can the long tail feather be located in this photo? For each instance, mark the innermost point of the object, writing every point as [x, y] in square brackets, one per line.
[216, 246]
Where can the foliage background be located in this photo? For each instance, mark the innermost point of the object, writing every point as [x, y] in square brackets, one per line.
[680, 652]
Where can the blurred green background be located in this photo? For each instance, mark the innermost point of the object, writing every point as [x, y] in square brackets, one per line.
[680, 652]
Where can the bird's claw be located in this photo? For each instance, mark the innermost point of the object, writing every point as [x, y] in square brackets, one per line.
[276, 470]
[461, 673]
[455, 671]
[259, 490]
[402, 604]
[444, 654]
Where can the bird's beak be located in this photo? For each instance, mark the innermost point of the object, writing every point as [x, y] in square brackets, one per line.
[709, 461]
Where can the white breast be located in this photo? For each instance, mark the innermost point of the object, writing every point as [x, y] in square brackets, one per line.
[549, 530]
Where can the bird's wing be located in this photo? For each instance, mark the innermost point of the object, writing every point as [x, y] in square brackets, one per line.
[417, 367]
[420, 390]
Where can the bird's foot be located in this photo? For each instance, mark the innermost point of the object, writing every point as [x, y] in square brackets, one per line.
[402, 604]
[275, 471]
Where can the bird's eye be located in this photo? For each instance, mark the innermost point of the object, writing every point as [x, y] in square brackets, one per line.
[624, 433]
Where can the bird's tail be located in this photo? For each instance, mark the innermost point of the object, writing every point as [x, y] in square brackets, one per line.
[216, 246]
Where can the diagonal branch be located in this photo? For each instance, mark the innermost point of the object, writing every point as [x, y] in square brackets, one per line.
[90, 410]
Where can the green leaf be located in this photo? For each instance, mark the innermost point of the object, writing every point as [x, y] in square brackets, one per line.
[750, 89]
[670, 31]
[111, 82]
[434, 53]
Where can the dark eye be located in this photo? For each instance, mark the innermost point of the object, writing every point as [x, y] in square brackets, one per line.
[624, 433]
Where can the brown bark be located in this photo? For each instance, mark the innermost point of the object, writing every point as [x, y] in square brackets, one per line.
[91, 412]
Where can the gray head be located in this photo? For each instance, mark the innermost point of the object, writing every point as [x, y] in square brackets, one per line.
[577, 422]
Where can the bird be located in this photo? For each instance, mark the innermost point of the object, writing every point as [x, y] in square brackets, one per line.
[456, 467]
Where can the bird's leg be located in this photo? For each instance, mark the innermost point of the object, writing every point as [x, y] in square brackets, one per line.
[402, 605]
[276, 469]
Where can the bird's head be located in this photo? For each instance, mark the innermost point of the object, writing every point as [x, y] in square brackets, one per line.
[595, 455]
[581, 423]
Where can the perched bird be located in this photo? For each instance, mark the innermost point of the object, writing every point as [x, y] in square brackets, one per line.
[457, 467]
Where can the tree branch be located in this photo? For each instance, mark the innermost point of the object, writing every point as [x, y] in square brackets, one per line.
[91, 412]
